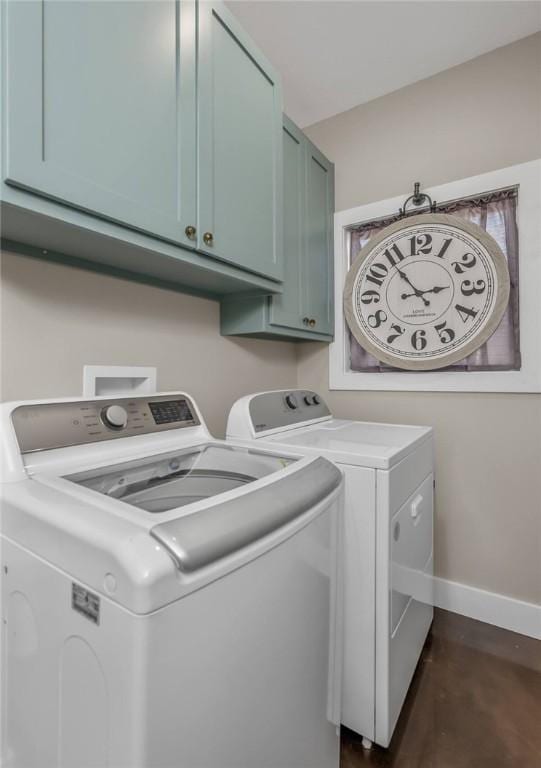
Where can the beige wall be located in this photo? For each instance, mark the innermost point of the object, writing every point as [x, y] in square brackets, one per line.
[477, 117]
[55, 319]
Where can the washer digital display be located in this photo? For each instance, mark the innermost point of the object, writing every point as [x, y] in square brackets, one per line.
[170, 411]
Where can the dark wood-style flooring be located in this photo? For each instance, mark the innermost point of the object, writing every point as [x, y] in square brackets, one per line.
[474, 702]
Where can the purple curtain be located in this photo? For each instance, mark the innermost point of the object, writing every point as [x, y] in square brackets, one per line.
[496, 213]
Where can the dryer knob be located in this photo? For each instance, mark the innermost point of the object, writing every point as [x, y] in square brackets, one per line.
[316, 400]
[114, 416]
[291, 402]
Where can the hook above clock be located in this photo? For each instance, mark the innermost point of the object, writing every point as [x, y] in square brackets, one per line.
[417, 199]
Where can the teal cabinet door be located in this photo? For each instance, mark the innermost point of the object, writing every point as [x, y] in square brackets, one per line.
[101, 108]
[316, 257]
[239, 147]
[286, 308]
[305, 309]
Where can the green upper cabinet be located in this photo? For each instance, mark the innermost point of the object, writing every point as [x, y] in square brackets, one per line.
[286, 309]
[160, 116]
[101, 108]
[304, 310]
[239, 147]
[316, 263]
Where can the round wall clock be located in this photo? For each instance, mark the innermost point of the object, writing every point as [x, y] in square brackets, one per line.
[426, 292]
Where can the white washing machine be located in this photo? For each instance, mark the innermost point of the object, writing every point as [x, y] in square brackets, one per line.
[388, 557]
[168, 600]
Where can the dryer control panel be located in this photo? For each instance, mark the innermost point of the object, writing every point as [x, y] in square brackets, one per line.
[58, 425]
[272, 410]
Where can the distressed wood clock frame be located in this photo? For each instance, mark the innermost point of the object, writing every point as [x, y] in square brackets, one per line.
[499, 303]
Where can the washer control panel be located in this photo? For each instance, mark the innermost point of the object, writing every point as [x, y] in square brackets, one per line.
[58, 425]
[271, 410]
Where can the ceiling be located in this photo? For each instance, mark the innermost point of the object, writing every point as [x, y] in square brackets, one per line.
[335, 55]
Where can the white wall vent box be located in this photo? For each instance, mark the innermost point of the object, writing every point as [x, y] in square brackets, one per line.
[118, 380]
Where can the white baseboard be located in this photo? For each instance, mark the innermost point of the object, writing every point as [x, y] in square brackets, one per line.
[490, 607]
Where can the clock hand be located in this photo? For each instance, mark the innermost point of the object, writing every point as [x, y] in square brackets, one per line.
[436, 289]
[416, 291]
[408, 281]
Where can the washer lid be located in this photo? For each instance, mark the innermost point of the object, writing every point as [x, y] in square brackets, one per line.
[197, 540]
[170, 480]
[355, 442]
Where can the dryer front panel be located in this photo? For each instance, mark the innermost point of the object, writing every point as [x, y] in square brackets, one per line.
[410, 603]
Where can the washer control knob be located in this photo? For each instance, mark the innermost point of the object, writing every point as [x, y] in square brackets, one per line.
[291, 402]
[307, 400]
[114, 416]
[316, 400]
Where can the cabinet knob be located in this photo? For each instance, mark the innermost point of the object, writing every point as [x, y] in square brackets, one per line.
[306, 321]
[312, 322]
[190, 232]
[208, 238]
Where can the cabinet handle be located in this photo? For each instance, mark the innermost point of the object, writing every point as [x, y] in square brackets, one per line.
[208, 238]
[306, 321]
[312, 322]
[190, 232]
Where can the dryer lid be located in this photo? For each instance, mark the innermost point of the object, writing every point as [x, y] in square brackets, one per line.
[356, 442]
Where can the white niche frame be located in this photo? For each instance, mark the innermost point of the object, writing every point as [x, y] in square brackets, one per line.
[527, 176]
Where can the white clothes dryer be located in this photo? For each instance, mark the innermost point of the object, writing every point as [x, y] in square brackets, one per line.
[388, 550]
[168, 600]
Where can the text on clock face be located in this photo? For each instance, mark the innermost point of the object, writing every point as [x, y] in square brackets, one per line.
[424, 293]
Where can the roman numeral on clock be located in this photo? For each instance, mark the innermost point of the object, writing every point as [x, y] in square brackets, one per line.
[465, 313]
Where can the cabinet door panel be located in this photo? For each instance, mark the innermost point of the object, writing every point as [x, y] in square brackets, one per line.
[285, 308]
[101, 108]
[317, 261]
[304, 310]
[239, 147]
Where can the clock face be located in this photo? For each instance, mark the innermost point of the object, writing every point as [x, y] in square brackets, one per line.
[426, 292]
